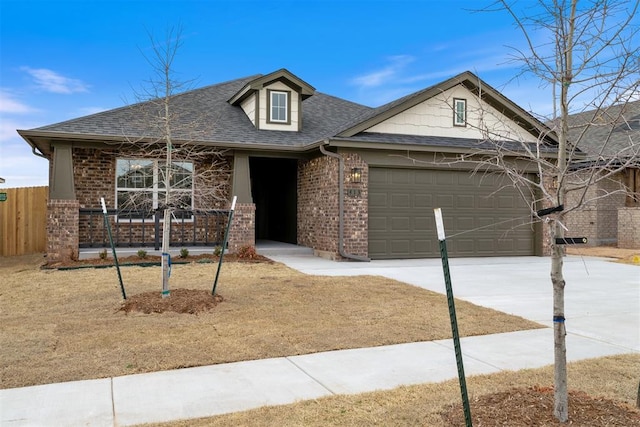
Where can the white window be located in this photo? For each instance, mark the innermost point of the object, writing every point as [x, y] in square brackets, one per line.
[459, 112]
[278, 106]
[141, 187]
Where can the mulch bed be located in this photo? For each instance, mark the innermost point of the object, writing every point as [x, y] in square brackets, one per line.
[533, 407]
[184, 301]
[152, 260]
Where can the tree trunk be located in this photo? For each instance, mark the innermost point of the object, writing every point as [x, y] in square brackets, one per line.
[561, 400]
[166, 235]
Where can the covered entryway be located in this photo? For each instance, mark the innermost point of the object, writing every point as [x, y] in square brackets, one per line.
[274, 191]
[401, 221]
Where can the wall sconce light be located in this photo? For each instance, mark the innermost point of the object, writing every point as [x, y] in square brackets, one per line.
[356, 175]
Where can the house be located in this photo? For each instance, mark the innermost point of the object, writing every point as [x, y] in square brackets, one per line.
[311, 169]
[609, 136]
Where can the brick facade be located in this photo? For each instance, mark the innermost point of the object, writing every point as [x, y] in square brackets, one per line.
[356, 207]
[62, 230]
[243, 227]
[318, 204]
[94, 177]
[597, 219]
[629, 228]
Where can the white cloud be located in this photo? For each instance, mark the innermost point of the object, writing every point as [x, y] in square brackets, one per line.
[10, 105]
[51, 81]
[8, 130]
[388, 73]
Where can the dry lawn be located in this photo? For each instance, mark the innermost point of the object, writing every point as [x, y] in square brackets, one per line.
[625, 256]
[67, 325]
[604, 393]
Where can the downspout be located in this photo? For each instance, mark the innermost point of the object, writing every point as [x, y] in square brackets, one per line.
[341, 250]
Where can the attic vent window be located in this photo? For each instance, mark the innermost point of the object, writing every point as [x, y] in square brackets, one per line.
[278, 106]
[459, 112]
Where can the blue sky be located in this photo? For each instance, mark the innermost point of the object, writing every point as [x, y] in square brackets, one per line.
[65, 59]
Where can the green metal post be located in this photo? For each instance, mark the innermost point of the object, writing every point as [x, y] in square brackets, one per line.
[452, 316]
[224, 244]
[113, 248]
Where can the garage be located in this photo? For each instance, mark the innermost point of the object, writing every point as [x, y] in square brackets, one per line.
[479, 216]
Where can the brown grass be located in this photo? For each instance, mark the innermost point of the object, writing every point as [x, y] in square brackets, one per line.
[67, 325]
[611, 378]
[625, 256]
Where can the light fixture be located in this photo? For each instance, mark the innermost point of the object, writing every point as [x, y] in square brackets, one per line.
[356, 175]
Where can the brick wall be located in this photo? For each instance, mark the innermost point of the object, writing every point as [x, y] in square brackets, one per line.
[94, 177]
[629, 228]
[62, 230]
[318, 204]
[597, 219]
[356, 207]
[243, 227]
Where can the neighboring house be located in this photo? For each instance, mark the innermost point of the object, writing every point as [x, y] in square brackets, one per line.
[311, 169]
[609, 136]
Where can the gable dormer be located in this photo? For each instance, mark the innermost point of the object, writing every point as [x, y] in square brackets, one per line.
[274, 101]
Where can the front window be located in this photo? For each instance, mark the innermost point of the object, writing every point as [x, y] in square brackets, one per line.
[141, 187]
[459, 112]
[278, 106]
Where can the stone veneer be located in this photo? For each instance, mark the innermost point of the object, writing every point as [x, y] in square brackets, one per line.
[62, 230]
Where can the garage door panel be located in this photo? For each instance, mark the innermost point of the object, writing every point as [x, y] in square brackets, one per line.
[401, 222]
[400, 200]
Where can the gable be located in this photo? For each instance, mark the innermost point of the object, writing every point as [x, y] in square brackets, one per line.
[274, 101]
[435, 117]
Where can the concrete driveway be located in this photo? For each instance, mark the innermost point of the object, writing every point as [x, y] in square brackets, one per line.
[602, 298]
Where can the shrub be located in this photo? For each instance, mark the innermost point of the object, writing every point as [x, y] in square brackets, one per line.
[184, 252]
[103, 254]
[142, 253]
[247, 252]
[217, 250]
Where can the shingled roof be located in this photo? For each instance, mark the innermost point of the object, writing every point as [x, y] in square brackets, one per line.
[205, 115]
[608, 132]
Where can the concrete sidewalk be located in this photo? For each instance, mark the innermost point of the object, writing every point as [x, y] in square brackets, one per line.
[603, 318]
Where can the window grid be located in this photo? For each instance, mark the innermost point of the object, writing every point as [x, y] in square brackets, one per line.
[459, 112]
[140, 186]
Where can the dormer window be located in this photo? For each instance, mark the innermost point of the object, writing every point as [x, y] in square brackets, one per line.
[279, 108]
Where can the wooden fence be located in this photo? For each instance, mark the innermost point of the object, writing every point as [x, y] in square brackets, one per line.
[23, 220]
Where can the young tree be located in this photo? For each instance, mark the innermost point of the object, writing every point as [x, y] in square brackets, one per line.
[587, 54]
[190, 175]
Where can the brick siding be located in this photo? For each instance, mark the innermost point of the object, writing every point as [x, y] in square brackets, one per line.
[356, 207]
[318, 204]
[243, 227]
[629, 228]
[62, 230]
[597, 219]
[94, 177]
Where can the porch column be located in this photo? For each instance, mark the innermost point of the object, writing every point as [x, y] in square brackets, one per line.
[243, 228]
[63, 207]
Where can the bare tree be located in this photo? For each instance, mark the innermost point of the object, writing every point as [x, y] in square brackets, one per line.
[186, 173]
[587, 54]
